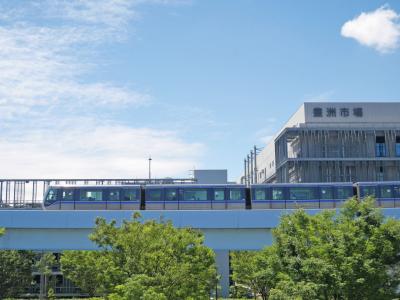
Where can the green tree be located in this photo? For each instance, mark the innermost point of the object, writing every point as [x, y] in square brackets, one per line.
[354, 255]
[256, 271]
[368, 256]
[15, 272]
[2, 231]
[95, 272]
[44, 266]
[163, 260]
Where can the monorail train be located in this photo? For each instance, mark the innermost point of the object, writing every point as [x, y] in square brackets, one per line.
[217, 196]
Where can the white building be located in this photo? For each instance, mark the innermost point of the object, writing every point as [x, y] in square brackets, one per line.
[332, 142]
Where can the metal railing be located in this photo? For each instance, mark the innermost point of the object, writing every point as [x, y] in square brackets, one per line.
[29, 193]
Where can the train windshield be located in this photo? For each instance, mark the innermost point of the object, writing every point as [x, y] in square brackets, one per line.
[51, 196]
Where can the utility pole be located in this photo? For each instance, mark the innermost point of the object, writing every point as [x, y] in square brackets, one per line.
[248, 169]
[255, 164]
[149, 167]
[245, 172]
[251, 167]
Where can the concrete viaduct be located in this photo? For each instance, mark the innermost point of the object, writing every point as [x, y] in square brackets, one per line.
[68, 230]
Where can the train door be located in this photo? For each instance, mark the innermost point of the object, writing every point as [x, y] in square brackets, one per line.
[237, 198]
[195, 199]
[386, 197]
[130, 198]
[259, 199]
[67, 198]
[396, 194]
[113, 199]
[327, 198]
[172, 198]
[218, 198]
[154, 198]
[278, 197]
[90, 199]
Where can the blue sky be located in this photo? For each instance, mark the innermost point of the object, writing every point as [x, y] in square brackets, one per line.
[91, 88]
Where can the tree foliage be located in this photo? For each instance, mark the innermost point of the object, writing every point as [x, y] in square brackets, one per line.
[351, 255]
[44, 266]
[143, 260]
[256, 271]
[15, 272]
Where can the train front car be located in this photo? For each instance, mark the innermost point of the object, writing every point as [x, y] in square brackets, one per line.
[302, 195]
[85, 197]
[387, 194]
[195, 197]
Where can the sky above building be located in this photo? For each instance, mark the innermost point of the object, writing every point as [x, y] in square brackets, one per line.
[92, 88]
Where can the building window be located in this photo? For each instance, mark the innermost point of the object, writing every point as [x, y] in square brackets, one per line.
[379, 175]
[331, 112]
[380, 146]
[397, 145]
[344, 112]
[358, 112]
[317, 112]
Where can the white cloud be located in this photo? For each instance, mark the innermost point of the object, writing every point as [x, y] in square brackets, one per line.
[83, 148]
[379, 29]
[43, 66]
[47, 52]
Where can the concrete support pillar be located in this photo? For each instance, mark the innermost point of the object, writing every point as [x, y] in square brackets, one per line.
[222, 261]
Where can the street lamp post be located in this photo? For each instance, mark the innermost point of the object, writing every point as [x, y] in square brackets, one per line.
[149, 168]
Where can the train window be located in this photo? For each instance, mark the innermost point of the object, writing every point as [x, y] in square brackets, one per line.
[219, 195]
[93, 195]
[301, 193]
[131, 195]
[386, 191]
[51, 195]
[154, 195]
[368, 191]
[344, 192]
[171, 195]
[396, 191]
[197, 194]
[277, 194]
[236, 194]
[67, 195]
[113, 195]
[326, 193]
[259, 194]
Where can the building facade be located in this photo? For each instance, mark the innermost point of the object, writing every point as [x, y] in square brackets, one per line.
[332, 142]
